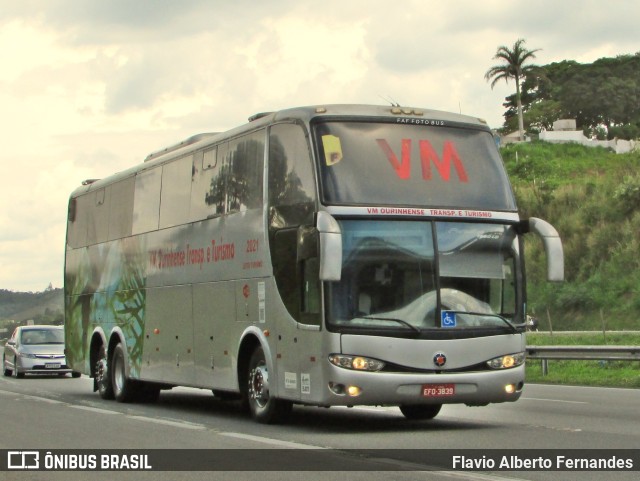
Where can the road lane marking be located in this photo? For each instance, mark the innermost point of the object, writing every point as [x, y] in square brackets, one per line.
[92, 409]
[273, 442]
[42, 399]
[8, 393]
[552, 400]
[405, 465]
[168, 422]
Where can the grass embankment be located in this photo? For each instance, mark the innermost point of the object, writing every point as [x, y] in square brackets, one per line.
[592, 197]
[585, 373]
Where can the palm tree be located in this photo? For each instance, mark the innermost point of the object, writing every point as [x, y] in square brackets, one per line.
[512, 68]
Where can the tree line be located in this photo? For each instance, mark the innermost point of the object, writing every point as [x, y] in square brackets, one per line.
[44, 307]
[603, 97]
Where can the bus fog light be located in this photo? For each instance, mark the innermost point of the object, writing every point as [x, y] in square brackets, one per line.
[354, 391]
[510, 388]
[507, 362]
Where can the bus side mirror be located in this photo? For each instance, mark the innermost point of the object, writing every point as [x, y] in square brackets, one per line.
[330, 247]
[552, 247]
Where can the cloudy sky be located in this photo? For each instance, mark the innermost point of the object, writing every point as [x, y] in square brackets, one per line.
[88, 88]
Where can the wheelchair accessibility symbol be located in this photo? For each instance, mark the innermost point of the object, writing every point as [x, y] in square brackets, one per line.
[448, 319]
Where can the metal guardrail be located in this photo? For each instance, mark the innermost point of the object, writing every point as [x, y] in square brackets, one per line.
[582, 353]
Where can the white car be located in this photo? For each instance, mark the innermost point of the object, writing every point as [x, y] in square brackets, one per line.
[36, 350]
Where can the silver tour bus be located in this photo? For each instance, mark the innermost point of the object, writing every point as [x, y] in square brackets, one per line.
[332, 255]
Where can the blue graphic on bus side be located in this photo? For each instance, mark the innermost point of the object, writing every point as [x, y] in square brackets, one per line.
[448, 319]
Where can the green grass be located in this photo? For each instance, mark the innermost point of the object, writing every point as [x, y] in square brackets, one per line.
[624, 374]
[592, 197]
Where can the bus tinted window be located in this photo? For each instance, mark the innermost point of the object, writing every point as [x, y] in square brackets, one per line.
[77, 225]
[120, 212]
[399, 164]
[390, 277]
[98, 218]
[291, 180]
[244, 163]
[146, 201]
[205, 182]
[176, 192]
[232, 182]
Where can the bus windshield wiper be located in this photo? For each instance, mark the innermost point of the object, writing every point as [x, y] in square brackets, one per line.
[508, 323]
[393, 319]
[505, 320]
[485, 314]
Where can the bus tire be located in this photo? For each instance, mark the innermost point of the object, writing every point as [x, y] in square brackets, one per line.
[263, 407]
[419, 412]
[103, 376]
[124, 389]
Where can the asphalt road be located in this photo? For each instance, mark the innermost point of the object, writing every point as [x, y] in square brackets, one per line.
[64, 413]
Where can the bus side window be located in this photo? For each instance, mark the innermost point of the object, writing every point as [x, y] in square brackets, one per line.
[207, 184]
[77, 226]
[146, 201]
[175, 199]
[244, 172]
[120, 211]
[293, 240]
[98, 220]
[292, 191]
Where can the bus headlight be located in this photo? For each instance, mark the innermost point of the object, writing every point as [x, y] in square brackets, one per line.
[508, 361]
[357, 363]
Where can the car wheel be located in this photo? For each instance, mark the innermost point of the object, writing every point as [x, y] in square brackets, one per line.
[75, 374]
[17, 374]
[6, 371]
[418, 412]
[264, 408]
[102, 376]
[124, 389]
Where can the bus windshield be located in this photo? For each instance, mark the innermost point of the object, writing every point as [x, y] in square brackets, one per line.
[421, 275]
[411, 165]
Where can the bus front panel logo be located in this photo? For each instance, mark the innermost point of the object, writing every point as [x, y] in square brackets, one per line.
[440, 359]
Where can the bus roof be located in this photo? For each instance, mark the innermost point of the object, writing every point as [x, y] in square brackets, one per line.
[410, 115]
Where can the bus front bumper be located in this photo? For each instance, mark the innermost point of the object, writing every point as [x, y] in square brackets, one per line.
[350, 388]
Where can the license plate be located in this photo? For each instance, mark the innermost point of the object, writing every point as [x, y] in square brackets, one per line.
[52, 365]
[438, 390]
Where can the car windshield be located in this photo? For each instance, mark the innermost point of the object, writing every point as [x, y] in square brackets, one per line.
[42, 336]
[415, 276]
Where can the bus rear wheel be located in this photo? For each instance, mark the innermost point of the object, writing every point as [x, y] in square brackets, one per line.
[420, 411]
[102, 376]
[264, 408]
[124, 389]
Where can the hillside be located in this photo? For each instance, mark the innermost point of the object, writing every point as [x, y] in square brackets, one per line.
[46, 306]
[592, 196]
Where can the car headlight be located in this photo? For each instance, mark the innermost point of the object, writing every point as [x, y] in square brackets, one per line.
[357, 363]
[27, 355]
[508, 361]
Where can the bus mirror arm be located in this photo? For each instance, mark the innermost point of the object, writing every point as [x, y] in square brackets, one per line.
[552, 247]
[330, 247]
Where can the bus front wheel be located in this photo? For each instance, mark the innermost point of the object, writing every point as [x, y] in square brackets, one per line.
[264, 408]
[418, 412]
